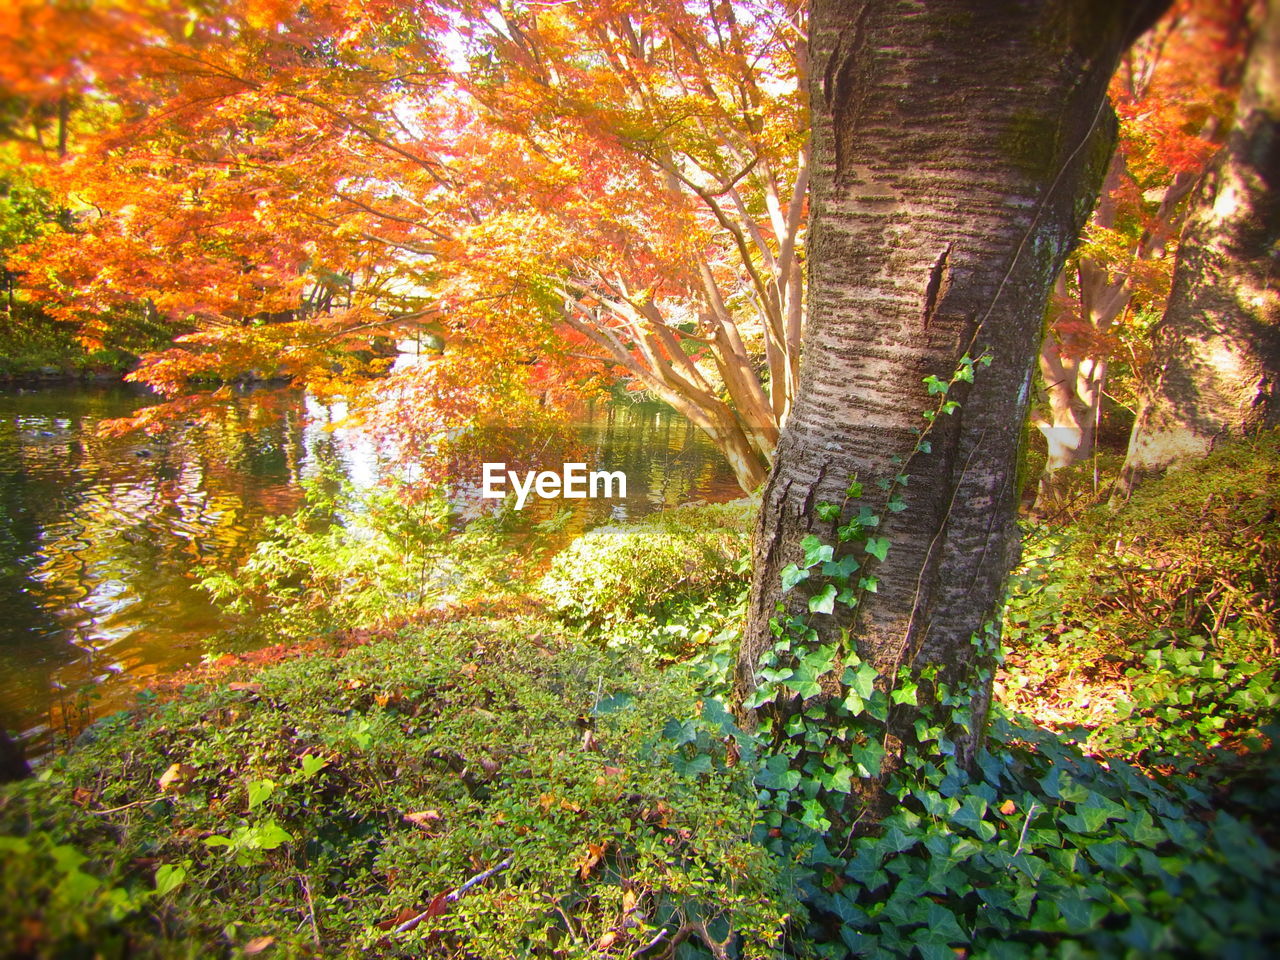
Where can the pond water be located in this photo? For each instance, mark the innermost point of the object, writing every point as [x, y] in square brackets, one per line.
[100, 538]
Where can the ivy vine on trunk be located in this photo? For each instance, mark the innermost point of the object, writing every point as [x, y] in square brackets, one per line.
[958, 150]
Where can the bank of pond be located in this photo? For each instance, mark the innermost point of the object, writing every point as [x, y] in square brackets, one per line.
[546, 763]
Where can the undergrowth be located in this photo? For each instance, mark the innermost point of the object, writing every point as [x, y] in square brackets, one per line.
[325, 803]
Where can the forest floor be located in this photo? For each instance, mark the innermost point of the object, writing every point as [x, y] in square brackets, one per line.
[552, 765]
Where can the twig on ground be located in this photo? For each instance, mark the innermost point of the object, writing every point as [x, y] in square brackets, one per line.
[126, 806]
[454, 895]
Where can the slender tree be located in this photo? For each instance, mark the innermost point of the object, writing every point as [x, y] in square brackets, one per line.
[959, 148]
[1217, 349]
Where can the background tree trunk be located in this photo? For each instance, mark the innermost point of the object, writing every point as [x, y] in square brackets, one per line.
[1217, 350]
[959, 147]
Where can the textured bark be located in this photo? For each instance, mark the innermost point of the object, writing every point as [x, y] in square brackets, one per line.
[958, 150]
[1217, 349]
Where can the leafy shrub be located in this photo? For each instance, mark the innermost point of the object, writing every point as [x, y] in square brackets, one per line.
[625, 583]
[1155, 628]
[1196, 552]
[352, 559]
[326, 802]
[64, 907]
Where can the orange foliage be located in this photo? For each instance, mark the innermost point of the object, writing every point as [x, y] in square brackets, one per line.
[294, 185]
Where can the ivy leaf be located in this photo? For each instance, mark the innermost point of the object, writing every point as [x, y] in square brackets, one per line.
[1074, 911]
[839, 780]
[878, 706]
[841, 569]
[791, 575]
[827, 511]
[869, 584]
[905, 694]
[760, 696]
[861, 680]
[896, 504]
[701, 763]
[823, 602]
[878, 547]
[972, 810]
[804, 679]
[868, 758]
[777, 774]
[815, 551]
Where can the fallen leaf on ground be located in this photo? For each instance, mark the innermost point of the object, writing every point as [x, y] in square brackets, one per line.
[591, 859]
[177, 779]
[422, 818]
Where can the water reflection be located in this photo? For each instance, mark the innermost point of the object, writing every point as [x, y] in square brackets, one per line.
[99, 537]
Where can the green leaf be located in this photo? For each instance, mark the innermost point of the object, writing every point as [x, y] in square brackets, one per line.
[841, 569]
[942, 924]
[972, 810]
[259, 791]
[701, 763]
[1074, 911]
[839, 780]
[311, 764]
[271, 835]
[827, 511]
[878, 547]
[861, 680]
[170, 877]
[907, 693]
[791, 575]
[777, 774]
[825, 601]
[815, 551]
[868, 758]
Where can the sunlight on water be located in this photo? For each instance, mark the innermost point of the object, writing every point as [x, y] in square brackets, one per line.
[100, 538]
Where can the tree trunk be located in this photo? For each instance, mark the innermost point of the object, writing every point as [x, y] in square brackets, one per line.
[958, 150]
[1217, 349]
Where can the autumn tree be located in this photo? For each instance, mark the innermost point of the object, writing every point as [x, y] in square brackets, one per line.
[566, 187]
[673, 228]
[1217, 348]
[1173, 93]
[946, 195]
